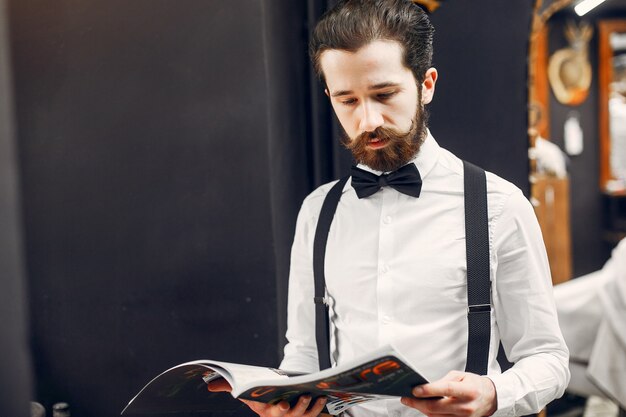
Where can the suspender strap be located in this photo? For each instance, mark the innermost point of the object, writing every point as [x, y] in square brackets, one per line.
[478, 283]
[322, 323]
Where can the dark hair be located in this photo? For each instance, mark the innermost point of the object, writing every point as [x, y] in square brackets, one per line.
[352, 24]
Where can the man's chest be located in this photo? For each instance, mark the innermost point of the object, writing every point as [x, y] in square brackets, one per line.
[390, 250]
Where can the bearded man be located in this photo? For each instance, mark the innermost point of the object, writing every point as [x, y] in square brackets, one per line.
[395, 262]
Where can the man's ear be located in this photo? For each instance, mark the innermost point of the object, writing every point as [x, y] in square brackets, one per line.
[326, 92]
[428, 86]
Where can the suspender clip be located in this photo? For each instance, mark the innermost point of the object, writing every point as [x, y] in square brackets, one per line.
[479, 308]
[320, 300]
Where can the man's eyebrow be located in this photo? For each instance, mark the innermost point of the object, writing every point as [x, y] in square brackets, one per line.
[383, 85]
[341, 93]
[371, 87]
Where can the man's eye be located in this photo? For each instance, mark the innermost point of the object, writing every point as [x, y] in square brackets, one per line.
[385, 96]
[348, 102]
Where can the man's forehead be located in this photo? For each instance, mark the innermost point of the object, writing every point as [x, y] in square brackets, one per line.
[371, 53]
[377, 63]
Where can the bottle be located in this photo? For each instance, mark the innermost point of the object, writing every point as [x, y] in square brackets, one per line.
[37, 410]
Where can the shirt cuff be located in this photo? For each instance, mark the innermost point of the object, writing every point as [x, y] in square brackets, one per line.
[505, 394]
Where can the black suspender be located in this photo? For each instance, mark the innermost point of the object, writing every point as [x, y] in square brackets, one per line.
[478, 283]
[322, 323]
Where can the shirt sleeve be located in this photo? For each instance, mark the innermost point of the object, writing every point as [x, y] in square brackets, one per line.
[613, 290]
[301, 349]
[525, 314]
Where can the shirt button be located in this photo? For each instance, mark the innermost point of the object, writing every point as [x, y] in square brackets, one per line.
[385, 268]
[386, 319]
[387, 220]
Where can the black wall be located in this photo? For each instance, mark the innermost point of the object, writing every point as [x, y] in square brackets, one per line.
[479, 110]
[15, 361]
[164, 149]
[144, 139]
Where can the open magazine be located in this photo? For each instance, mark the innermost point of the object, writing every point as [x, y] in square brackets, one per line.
[382, 374]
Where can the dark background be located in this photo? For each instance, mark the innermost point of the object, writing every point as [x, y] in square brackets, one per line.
[160, 153]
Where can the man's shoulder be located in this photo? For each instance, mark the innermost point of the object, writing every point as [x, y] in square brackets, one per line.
[499, 185]
[495, 184]
[313, 202]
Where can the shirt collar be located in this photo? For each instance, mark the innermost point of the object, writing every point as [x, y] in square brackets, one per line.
[424, 160]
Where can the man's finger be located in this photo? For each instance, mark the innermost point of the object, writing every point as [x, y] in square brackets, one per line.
[428, 407]
[442, 406]
[279, 409]
[317, 408]
[443, 388]
[301, 405]
[257, 407]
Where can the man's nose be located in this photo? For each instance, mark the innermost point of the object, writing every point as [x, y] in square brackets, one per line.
[371, 118]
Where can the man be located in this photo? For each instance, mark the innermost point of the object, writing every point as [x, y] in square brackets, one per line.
[591, 310]
[395, 264]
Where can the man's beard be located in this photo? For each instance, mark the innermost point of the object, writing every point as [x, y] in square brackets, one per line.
[400, 149]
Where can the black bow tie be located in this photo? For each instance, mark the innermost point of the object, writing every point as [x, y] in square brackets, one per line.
[406, 180]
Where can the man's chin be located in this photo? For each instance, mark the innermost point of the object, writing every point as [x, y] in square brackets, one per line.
[376, 160]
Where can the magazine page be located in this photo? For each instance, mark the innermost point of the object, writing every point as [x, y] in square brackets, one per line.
[239, 375]
[183, 387]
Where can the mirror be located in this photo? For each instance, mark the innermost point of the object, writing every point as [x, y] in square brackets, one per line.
[612, 105]
[576, 68]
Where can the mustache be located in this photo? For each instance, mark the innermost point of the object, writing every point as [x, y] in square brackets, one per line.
[382, 133]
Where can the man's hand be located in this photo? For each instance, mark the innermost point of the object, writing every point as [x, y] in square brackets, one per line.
[282, 409]
[461, 394]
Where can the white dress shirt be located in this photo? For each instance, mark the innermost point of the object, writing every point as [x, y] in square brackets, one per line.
[396, 273]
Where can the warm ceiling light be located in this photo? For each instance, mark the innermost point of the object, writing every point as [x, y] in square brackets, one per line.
[586, 5]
